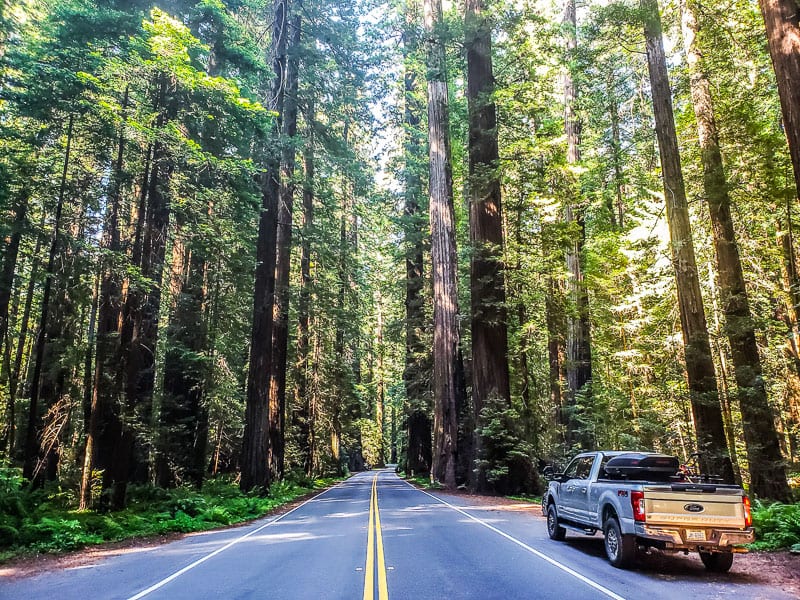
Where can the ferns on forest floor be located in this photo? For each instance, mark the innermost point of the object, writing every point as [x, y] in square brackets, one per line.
[38, 521]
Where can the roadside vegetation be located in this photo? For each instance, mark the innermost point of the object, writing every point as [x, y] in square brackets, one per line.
[777, 526]
[46, 520]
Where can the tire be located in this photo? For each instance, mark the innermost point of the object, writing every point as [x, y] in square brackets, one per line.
[554, 530]
[620, 549]
[717, 562]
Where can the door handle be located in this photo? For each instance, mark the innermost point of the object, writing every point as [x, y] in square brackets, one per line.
[583, 490]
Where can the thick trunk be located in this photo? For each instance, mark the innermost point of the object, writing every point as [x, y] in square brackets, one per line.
[258, 420]
[706, 410]
[782, 20]
[33, 460]
[280, 333]
[415, 373]
[578, 364]
[490, 376]
[446, 335]
[767, 472]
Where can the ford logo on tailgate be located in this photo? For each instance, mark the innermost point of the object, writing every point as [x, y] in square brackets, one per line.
[693, 507]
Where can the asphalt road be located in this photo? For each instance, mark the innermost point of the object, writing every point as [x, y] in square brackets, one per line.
[375, 537]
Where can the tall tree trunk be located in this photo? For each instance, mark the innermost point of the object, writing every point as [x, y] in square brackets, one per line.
[139, 333]
[10, 254]
[258, 420]
[791, 287]
[554, 320]
[782, 20]
[767, 472]
[415, 373]
[706, 410]
[578, 365]
[32, 455]
[10, 432]
[446, 335]
[302, 405]
[490, 376]
[103, 413]
[280, 333]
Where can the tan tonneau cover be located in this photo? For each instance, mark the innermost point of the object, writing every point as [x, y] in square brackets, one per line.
[665, 506]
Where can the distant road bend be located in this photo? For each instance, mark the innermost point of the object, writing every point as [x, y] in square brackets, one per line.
[375, 537]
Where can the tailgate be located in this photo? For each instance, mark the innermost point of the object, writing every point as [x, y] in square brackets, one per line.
[722, 508]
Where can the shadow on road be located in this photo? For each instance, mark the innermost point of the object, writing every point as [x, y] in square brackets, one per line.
[671, 567]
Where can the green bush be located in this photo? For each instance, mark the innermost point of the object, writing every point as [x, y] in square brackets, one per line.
[45, 520]
[777, 526]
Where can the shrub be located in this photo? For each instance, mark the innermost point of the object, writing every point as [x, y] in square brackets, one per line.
[777, 526]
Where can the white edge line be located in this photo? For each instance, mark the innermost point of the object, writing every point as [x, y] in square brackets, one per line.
[199, 561]
[525, 546]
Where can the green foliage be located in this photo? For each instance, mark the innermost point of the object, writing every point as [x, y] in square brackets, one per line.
[777, 526]
[505, 459]
[33, 521]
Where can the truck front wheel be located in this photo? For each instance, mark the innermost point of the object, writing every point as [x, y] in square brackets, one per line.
[717, 562]
[554, 530]
[620, 549]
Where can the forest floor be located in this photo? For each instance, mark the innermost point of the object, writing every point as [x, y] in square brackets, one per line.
[780, 569]
[33, 564]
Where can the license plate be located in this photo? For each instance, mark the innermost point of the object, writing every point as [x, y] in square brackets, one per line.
[695, 535]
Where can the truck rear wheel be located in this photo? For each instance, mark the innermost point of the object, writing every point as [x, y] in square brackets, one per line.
[554, 530]
[717, 562]
[620, 549]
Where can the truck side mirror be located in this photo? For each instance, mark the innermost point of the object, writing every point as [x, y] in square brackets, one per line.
[548, 472]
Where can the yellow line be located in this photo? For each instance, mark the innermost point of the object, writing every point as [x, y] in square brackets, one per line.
[375, 537]
[369, 570]
[383, 590]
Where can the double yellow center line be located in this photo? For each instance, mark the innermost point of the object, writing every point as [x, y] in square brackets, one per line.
[375, 540]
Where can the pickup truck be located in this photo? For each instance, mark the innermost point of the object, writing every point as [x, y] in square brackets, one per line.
[640, 499]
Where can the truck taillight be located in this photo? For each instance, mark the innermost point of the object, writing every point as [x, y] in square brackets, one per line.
[637, 501]
[748, 515]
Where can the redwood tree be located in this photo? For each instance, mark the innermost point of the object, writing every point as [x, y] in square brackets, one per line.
[767, 473]
[446, 334]
[706, 410]
[490, 376]
[782, 20]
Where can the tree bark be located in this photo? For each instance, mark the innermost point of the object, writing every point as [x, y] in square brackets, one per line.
[446, 335]
[255, 443]
[782, 20]
[280, 333]
[767, 471]
[706, 410]
[578, 364]
[490, 374]
[415, 372]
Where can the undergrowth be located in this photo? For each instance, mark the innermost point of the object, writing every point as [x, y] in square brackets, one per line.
[46, 521]
[777, 526]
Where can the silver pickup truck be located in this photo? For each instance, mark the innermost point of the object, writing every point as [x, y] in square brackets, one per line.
[639, 499]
